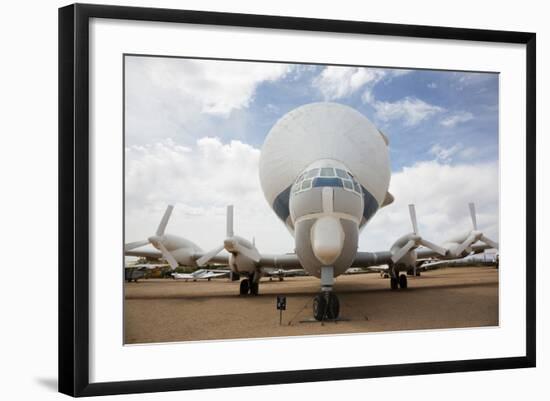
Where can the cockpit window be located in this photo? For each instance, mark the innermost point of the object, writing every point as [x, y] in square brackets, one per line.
[327, 182]
[312, 173]
[341, 173]
[327, 172]
[306, 184]
[326, 177]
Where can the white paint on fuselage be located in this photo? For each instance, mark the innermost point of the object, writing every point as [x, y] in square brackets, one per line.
[326, 135]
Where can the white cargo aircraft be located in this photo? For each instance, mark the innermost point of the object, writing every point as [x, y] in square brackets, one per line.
[325, 172]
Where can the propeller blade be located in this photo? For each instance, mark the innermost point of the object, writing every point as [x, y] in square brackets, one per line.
[137, 244]
[489, 242]
[168, 256]
[473, 215]
[164, 221]
[466, 244]
[403, 251]
[204, 259]
[440, 250]
[249, 253]
[229, 222]
[412, 213]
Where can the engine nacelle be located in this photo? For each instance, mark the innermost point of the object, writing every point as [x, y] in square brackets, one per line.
[408, 261]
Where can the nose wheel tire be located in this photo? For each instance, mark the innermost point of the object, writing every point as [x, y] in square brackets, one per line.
[244, 287]
[326, 307]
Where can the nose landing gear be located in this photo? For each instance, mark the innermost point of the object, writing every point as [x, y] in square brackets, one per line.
[326, 306]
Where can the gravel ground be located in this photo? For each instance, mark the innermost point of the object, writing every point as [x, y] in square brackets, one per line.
[161, 310]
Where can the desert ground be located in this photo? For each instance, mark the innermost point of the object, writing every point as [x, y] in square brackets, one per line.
[165, 310]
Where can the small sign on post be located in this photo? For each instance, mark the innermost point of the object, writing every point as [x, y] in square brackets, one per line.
[281, 306]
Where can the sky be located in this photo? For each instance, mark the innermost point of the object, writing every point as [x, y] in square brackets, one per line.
[194, 130]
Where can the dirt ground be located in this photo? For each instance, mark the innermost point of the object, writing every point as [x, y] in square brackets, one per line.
[162, 310]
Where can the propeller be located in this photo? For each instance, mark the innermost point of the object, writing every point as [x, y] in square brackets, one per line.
[156, 240]
[474, 235]
[232, 244]
[415, 240]
[134, 245]
[209, 255]
[164, 221]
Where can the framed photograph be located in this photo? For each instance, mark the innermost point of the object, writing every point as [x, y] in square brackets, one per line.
[253, 199]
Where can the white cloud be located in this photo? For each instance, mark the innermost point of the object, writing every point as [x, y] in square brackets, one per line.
[432, 85]
[464, 80]
[201, 180]
[443, 154]
[410, 110]
[337, 82]
[218, 86]
[441, 194]
[173, 97]
[457, 118]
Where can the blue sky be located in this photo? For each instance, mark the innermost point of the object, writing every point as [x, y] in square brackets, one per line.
[473, 97]
[458, 93]
[195, 125]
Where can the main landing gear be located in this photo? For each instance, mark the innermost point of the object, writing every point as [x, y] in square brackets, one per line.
[398, 281]
[250, 286]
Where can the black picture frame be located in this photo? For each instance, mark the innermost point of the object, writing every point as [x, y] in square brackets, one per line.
[74, 194]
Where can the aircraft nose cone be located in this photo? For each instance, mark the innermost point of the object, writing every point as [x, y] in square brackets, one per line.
[327, 239]
[154, 240]
[229, 245]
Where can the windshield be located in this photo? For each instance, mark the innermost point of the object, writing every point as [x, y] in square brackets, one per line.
[326, 177]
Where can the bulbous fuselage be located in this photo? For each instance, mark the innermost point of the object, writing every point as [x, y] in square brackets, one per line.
[325, 171]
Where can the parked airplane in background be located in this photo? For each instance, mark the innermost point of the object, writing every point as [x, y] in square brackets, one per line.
[282, 273]
[325, 171]
[201, 274]
[356, 270]
[135, 272]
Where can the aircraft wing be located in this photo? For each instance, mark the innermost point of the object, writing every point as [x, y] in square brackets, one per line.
[211, 274]
[285, 262]
[154, 254]
[221, 259]
[144, 253]
[271, 271]
[423, 253]
[367, 259]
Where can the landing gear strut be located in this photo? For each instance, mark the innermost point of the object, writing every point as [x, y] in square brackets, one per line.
[326, 305]
[403, 281]
[394, 283]
[254, 287]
